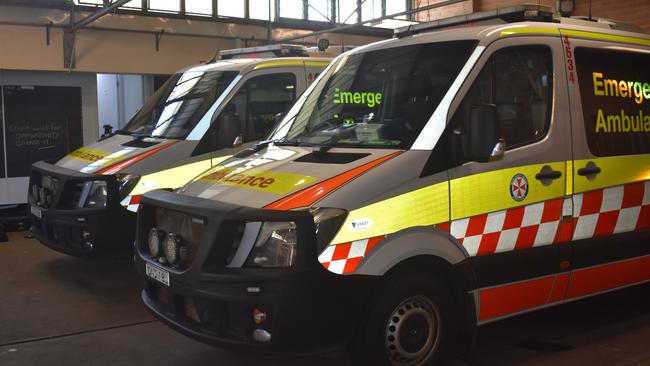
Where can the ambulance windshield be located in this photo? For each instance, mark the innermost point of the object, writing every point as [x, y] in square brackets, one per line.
[179, 104]
[378, 99]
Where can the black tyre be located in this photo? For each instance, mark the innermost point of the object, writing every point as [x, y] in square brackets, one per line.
[411, 323]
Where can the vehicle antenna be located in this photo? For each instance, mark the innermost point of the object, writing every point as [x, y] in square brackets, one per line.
[590, 11]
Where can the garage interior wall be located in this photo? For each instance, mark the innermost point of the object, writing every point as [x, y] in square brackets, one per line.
[130, 44]
[104, 51]
[115, 59]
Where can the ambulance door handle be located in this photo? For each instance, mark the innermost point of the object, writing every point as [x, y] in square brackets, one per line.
[590, 171]
[547, 175]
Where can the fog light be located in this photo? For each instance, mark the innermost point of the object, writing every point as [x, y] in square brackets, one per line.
[261, 335]
[153, 242]
[171, 246]
[259, 316]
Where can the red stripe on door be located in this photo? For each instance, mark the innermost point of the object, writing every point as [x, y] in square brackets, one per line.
[309, 195]
[559, 288]
[508, 299]
[609, 276]
[117, 167]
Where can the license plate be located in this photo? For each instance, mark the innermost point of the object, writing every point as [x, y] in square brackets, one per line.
[36, 211]
[157, 274]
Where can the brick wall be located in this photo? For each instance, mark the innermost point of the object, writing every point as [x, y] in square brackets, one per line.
[628, 11]
[447, 11]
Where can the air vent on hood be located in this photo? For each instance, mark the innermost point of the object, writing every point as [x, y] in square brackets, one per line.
[140, 143]
[330, 158]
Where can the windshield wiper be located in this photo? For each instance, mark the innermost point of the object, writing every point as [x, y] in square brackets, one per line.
[136, 135]
[163, 137]
[252, 150]
[323, 147]
[288, 143]
[315, 148]
[139, 136]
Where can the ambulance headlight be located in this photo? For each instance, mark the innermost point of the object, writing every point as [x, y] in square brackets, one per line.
[125, 183]
[275, 245]
[93, 194]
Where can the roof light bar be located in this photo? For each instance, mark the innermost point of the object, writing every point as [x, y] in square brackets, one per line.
[270, 51]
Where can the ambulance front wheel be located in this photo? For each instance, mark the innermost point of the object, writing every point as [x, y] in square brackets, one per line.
[411, 324]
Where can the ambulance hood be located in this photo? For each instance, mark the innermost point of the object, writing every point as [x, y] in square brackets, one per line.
[277, 172]
[99, 156]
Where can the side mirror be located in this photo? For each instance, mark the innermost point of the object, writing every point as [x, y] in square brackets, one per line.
[228, 132]
[279, 116]
[484, 142]
[108, 132]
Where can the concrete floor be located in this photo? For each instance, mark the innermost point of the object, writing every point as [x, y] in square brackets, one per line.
[59, 310]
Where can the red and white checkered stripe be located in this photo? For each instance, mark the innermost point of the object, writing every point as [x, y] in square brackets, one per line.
[515, 228]
[612, 210]
[131, 203]
[345, 257]
[596, 213]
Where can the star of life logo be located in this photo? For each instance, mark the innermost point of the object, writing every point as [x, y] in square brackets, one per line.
[519, 187]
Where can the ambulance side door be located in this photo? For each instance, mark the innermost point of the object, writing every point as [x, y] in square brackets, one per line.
[610, 110]
[507, 213]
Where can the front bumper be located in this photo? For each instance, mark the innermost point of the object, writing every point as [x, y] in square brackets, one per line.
[307, 307]
[79, 231]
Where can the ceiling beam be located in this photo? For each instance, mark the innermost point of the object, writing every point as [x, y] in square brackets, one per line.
[99, 13]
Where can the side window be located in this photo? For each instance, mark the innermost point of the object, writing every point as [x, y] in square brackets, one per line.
[259, 100]
[518, 81]
[615, 95]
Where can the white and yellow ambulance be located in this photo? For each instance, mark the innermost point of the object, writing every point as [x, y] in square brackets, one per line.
[423, 186]
[85, 203]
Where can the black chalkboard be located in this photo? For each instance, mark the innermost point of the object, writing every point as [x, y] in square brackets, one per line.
[41, 123]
